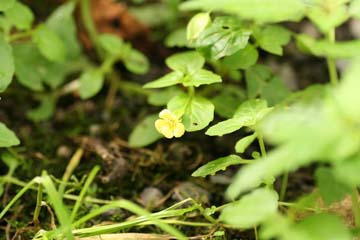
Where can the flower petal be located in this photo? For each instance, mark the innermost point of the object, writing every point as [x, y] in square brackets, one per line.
[167, 115]
[179, 129]
[164, 128]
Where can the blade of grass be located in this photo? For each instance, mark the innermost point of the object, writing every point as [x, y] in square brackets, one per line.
[80, 199]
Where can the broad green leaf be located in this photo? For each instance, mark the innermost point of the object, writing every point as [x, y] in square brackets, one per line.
[20, 16]
[91, 82]
[32, 69]
[6, 4]
[44, 111]
[136, 62]
[5, 24]
[201, 77]
[254, 110]
[272, 38]
[196, 25]
[162, 97]
[327, 15]
[243, 58]
[324, 48]
[244, 143]
[145, 133]
[7, 137]
[313, 227]
[257, 10]
[176, 38]
[6, 64]
[112, 44]
[228, 100]
[62, 22]
[275, 91]
[196, 112]
[330, 188]
[252, 209]
[169, 79]
[186, 62]
[225, 36]
[247, 115]
[226, 127]
[219, 165]
[49, 43]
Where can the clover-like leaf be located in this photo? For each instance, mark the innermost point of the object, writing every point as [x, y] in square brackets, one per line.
[20, 16]
[91, 82]
[186, 62]
[145, 133]
[169, 79]
[244, 143]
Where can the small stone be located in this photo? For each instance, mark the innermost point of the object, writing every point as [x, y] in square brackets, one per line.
[63, 152]
[150, 197]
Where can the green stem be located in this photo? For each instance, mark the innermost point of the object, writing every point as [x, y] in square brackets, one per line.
[89, 25]
[284, 184]
[331, 62]
[38, 205]
[191, 91]
[261, 143]
[356, 207]
[256, 233]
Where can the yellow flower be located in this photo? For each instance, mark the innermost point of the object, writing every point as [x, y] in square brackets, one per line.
[169, 125]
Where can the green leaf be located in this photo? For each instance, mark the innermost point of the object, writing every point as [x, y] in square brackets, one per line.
[252, 209]
[247, 115]
[136, 62]
[253, 110]
[91, 82]
[176, 38]
[347, 172]
[10, 161]
[6, 64]
[6, 4]
[201, 77]
[261, 82]
[44, 111]
[313, 226]
[272, 38]
[7, 137]
[197, 112]
[145, 133]
[111, 44]
[225, 37]
[243, 58]
[169, 79]
[219, 165]
[62, 22]
[186, 62]
[324, 48]
[20, 16]
[330, 188]
[257, 10]
[49, 43]
[162, 97]
[244, 143]
[228, 100]
[327, 15]
[196, 25]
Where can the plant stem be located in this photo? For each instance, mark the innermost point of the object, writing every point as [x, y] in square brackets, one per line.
[256, 233]
[331, 62]
[284, 184]
[356, 207]
[38, 205]
[89, 25]
[261, 143]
